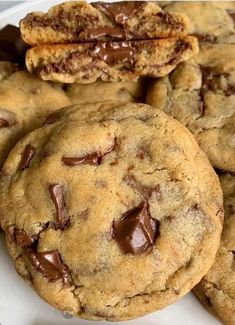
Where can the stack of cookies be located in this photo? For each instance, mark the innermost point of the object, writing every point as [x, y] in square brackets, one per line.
[112, 209]
[81, 42]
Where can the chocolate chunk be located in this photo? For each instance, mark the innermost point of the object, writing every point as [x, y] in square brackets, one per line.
[52, 118]
[180, 47]
[27, 156]
[231, 14]
[90, 159]
[94, 158]
[115, 52]
[136, 232]
[12, 47]
[99, 32]
[22, 239]
[57, 195]
[50, 265]
[4, 123]
[207, 78]
[118, 12]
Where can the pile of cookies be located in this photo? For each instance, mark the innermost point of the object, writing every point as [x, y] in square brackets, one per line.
[112, 208]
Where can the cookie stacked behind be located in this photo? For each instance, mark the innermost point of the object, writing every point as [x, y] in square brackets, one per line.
[81, 42]
[25, 100]
[217, 289]
[210, 21]
[111, 210]
[200, 94]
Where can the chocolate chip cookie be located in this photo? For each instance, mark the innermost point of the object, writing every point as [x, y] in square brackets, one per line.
[75, 21]
[217, 289]
[24, 102]
[104, 91]
[111, 210]
[109, 61]
[210, 21]
[201, 94]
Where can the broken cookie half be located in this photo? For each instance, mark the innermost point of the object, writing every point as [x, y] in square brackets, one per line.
[79, 21]
[109, 61]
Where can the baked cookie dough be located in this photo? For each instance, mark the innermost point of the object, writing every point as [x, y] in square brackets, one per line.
[216, 291]
[75, 21]
[109, 61]
[200, 94]
[105, 91]
[111, 210]
[25, 100]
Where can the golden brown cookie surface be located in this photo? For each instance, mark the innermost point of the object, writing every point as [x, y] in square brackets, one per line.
[111, 210]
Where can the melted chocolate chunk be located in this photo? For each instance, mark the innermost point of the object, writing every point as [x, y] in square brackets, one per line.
[12, 47]
[27, 156]
[94, 158]
[180, 47]
[90, 159]
[22, 239]
[99, 32]
[115, 52]
[50, 265]
[118, 12]
[57, 195]
[52, 118]
[136, 231]
[3, 123]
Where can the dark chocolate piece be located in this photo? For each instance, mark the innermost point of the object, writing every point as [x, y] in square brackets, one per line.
[50, 265]
[99, 32]
[27, 156]
[115, 52]
[231, 14]
[57, 195]
[94, 158]
[22, 239]
[52, 118]
[90, 159]
[12, 47]
[180, 47]
[118, 12]
[136, 231]
[3, 123]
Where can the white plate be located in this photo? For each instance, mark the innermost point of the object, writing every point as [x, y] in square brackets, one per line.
[19, 305]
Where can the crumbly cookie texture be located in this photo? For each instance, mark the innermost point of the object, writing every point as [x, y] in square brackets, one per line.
[25, 100]
[111, 210]
[76, 21]
[105, 91]
[210, 21]
[217, 289]
[200, 94]
[109, 61]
